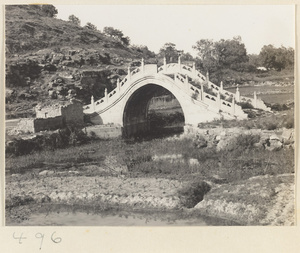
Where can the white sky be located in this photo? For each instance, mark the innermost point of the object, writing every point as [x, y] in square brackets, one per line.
[183, 25]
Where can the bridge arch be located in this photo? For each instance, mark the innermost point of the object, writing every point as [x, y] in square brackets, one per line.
[136, 109]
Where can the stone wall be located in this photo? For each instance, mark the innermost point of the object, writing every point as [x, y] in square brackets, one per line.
[48, 124]
[105, 131]
[32, 125]
[48, 111]
[73, 113]
[26, 125]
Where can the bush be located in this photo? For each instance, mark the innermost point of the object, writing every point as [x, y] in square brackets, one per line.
[245, 105]
[61, 139]
[193, 193]
[243, 142]
[271, 126]
[289, 123]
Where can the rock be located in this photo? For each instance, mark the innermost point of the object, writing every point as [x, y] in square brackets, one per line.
[200, 142]
[288, 134]
[42, 198]
[274, 145]
[46, 172]
[218, 180]
[274, 137]
[193, 162]
[218, 138]
[112, 163]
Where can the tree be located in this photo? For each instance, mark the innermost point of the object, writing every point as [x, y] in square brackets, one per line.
[205, 48]
[144, 51]
[277, 58]
[91, 26]
[112, 32]
[231, 53]
[169, 51]
[187, 57]
[117, 34]
[49, 10]
[125, 40]
[75, 20]
[223, 54]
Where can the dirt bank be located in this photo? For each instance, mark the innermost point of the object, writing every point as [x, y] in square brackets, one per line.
[263, 200]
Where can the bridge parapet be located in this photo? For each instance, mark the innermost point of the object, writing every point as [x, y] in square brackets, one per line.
[194, 74]
[122, 85]
[179, 80]
[214, 102]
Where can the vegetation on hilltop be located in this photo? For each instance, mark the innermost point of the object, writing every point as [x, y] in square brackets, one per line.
[48, 58]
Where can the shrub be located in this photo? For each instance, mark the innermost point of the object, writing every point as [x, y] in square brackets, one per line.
[191, 194]
[243, 142]
[289, 123]
[245, 105]
[271, 126]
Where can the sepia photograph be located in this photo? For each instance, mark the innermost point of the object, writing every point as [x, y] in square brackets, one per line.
[149, 115]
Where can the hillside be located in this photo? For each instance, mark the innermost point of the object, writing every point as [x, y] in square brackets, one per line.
[52, 59]
[48, 59]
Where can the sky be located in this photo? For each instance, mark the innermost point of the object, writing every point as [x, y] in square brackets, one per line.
[183, 25]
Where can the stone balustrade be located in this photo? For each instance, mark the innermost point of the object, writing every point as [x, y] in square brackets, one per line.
[180, 73]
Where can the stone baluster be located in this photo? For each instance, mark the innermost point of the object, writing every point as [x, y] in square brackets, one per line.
[233, 106]
[237, 94]
[202, 91]
[207, 77]
[186, 82]
[219, 100]
[194, 68]
[129, 74]
[255, 100]
[118, 84]
[105, 95]
[93, 103]
[165, 64]
[142, 65]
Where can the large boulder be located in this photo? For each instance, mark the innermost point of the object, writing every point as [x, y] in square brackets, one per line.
[274, 143]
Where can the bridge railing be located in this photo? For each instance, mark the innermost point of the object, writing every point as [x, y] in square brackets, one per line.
[195, 74]
[112, 96]
[211, 100]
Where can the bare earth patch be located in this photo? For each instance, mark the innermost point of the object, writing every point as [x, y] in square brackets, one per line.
[261, 200]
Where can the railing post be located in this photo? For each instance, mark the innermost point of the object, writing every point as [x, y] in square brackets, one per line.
[129, 74]
[207, 77]
[165, 64]
[105, 95]
[142, 65]
[237, 94]
[219, 100]
[186, 82]
[194, 68]
[118, 84]
[221, 86]
[255, 100]
[179, 63]
[93, 103]
[233, 106]
[202, 91]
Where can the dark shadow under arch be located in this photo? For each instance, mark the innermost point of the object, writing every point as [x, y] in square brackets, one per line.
[136, 121]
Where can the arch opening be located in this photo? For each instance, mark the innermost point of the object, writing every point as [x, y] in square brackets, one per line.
[152, 112]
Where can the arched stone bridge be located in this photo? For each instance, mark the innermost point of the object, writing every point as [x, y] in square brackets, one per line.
[200, 100]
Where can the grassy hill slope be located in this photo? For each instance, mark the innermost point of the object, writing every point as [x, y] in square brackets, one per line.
[48, 59]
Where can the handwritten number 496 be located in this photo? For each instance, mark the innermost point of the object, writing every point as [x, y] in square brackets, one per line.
[38, 236]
